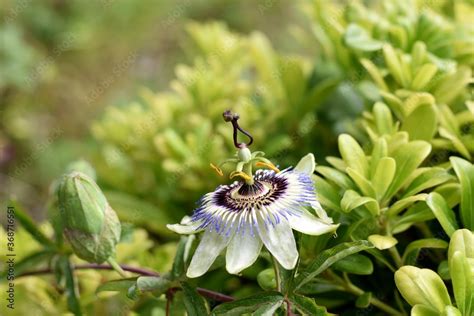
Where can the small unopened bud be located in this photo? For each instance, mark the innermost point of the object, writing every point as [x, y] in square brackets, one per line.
[90, 224]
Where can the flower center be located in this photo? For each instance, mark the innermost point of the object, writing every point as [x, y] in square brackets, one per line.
[252, 189]
[241, 196]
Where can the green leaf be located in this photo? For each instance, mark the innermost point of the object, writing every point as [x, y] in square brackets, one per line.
[456, 142]
[417, 213]
[307, 305]
[178, 268]
[442, 212]
[352, 200]
[339, 178]
[423, 76]
[413, 249]
[452, 311]
[463, 283]
[116, 285]
[194, 303]
[286, 278]
[30, 226]
[465, 172]
[268, 309]
[353, 155]
[379, 256]
[383, 119]
[394, 65]
[415, 101]
[443, 270]
[355, 264]
[421, 123]
[402, 204]
[428, 178]
[363, 301]
[462, 240]
[408, 157]
[375, 73]
[357, 38]
[422, 286]
[327, 258]
[337, 163]
[461, 250]
[158, 284]
[379, 151]
[383, 176]
[395, 104]
[453, 84]
[382, 242]
[423, 310]
[364, 185]
[248, 305]
[328, 195]
[71, 286]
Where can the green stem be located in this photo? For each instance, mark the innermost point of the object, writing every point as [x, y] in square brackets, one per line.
[248, 171]
[276, 268]
[353, 289]
[396, 256]
[117, 267]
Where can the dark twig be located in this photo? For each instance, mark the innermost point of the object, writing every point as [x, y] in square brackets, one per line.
[93, 266]
[288, 308]
[233, 118]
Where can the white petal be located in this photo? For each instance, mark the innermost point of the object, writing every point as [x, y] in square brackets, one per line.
[210, 247]
[309, 224]
[186, 226]
[242, 252]
[280, 241]
[321, 212]
[306, 164]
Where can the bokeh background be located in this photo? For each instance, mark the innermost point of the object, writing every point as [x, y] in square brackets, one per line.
[137, 89]
[62, 63]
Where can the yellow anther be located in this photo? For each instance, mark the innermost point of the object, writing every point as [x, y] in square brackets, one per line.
[245, 176]
[267, 165]
[217, 169]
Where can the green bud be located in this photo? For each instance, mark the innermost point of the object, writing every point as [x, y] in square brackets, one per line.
[266, 279]
[244, 154]
[90, 224]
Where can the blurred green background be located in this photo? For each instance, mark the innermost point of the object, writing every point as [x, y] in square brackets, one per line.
[63, 62]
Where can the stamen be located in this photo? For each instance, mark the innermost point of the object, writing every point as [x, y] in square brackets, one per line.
[217, 169]
[268, 165]
[245, 176]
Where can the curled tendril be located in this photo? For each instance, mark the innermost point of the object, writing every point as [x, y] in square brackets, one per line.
[233, 117]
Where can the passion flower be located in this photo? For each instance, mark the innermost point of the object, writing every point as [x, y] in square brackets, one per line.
[260, 209]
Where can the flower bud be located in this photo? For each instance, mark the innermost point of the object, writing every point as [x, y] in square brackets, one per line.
[90, 224]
